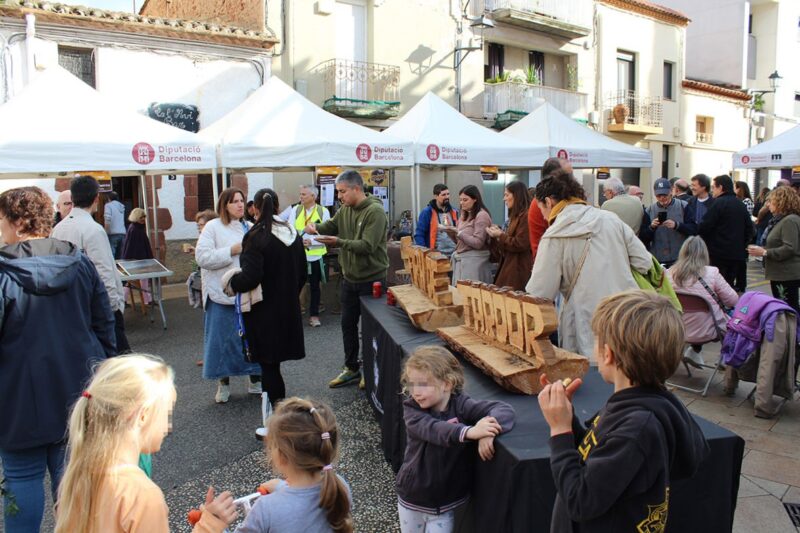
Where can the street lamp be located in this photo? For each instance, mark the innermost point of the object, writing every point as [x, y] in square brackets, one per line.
[461, 50]
[757, 104]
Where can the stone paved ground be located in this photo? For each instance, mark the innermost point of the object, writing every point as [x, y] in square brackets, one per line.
[213, 444]
[771, 466]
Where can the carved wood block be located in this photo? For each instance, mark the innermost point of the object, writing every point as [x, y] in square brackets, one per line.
[477, 307]
[488, 311]
[500, 325]
[543, 350]
[464, 287]
[443, 298]
[540, 316]
[514, 320]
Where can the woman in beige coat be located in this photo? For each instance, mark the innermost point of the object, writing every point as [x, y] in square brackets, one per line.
[585, 255]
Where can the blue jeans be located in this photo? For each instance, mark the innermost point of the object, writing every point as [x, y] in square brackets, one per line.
[115, 240]
[24, 472]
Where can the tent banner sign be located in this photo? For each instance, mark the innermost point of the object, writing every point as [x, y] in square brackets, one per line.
[756, 159]
[446, 153]
[366, 153]
[145, 154]
[573, 157]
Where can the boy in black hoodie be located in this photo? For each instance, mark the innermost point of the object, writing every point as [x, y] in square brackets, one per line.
[615, 474]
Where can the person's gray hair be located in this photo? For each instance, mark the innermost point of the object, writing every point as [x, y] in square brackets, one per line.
[614, 185]
[310, 188]
[351, 179]
[691, 264]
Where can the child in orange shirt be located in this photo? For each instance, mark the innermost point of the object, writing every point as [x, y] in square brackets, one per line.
[123, 412]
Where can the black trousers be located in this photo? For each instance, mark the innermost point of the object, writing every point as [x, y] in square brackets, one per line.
[734, 272]
[119, 332]
[272, 382]
[351, 314]
[315, 268]
[787, 291]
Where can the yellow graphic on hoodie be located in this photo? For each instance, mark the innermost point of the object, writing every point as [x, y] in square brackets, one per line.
[656, 520]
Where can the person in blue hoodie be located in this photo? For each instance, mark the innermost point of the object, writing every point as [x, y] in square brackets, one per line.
[615, 473]
[56, 323]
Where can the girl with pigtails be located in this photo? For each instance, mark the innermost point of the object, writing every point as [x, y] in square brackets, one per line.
[302, 443]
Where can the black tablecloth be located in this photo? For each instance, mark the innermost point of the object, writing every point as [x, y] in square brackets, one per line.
[515, 491]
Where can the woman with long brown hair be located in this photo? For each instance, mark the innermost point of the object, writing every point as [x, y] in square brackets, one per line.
[513, 245]
[218, 250]
[471, 258]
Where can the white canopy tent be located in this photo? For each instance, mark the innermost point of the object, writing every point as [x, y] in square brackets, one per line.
[582, 146]
[778, 152]
[57, 126]
[443, 137]
[276, 128]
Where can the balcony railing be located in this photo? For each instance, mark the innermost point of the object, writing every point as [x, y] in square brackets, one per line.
[632, 112]
[704, 138]
[521, 98]
[566, 18]
[360, 89]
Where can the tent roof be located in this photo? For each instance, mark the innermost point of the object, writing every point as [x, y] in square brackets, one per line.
[444, 137]
[59, 124]
[276, 127]
[582, 146]
[780, 151]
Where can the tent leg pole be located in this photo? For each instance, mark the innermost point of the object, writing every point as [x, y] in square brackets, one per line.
[155, 219]
[143, 183]
[214, 186]
[416, 191]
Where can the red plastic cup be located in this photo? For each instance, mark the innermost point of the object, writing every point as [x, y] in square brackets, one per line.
[390, 300]
[377, 289]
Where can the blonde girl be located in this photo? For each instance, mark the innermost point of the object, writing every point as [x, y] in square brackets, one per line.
[123, 412]
[436, 474]
[302, 443]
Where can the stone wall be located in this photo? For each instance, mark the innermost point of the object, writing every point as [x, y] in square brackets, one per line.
[246, 14]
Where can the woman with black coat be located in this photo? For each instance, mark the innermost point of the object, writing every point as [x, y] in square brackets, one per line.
[272, 256]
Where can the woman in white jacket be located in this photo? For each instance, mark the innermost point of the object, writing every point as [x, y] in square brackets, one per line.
[585, 255]
[217, 251]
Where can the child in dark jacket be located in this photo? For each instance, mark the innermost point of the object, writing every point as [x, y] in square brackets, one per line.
[436, 475]
[615, 475]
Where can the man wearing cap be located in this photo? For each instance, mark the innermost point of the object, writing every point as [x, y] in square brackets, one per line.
[666, 218]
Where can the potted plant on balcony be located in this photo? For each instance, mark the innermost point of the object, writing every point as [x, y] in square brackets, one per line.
[532, 76]
[620, 112]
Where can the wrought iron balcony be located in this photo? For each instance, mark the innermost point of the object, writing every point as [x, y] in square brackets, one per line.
[509, 101]
[568, 19]
[360, 89]
[630, 112]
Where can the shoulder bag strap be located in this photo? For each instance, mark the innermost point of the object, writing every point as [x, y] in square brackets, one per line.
[581, 261]
[713, 294]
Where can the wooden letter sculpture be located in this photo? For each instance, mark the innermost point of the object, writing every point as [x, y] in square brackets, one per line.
[430, 301]
[507, 335]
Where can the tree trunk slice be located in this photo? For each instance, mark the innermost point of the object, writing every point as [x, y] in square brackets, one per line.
[512, 369]
[424, 313]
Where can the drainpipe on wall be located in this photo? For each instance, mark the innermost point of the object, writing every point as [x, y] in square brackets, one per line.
[3, 69]
[30, 34]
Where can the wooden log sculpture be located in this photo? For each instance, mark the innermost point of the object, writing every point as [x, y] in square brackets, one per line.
[429, 300]
[507, 335]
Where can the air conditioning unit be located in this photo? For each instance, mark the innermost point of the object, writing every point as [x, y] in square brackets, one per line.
[324, 7]
[594, 117]
[761, 132]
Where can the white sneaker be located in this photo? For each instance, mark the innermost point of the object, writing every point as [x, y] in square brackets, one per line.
[223, 393]
[254, 388]
[261, 433]
[314, 322]
[693, 358]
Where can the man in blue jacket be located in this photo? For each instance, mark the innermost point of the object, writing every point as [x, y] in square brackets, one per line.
[437, 213]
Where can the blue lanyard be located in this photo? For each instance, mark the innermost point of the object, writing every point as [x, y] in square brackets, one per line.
[239, 317]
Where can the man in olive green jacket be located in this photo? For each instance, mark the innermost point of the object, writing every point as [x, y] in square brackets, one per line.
[359, 230]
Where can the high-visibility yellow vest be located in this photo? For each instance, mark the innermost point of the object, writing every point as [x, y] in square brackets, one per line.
[300, 223]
